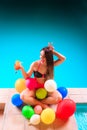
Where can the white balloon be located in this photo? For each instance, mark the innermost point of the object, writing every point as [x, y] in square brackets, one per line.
[50, 85]
[35, 119]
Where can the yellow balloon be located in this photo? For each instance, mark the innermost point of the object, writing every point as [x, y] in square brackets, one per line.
[20, 85]
[41, 93]
[48, 116]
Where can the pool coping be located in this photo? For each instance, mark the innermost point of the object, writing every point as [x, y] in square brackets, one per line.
[79, 95]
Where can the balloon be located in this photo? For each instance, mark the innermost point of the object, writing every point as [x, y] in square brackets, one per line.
[27, 111]
[63, 91]
[48, 116]
[17, 65]
[30, 83]
[16, 100]
[35, 119]
[38, 109]
[65, 109]
[50, 85]
[41, 93]
[20, 85]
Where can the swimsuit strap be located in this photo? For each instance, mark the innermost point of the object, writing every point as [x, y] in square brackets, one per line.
[39, 66]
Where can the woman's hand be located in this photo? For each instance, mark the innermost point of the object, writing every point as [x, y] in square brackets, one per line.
[50, 46]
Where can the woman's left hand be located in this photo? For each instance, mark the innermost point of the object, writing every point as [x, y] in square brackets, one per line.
[50, 46]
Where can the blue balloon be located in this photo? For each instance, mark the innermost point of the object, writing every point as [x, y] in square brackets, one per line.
[16, 100]
[63, 91]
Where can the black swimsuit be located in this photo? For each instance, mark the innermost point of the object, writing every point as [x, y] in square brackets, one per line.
[37, 74]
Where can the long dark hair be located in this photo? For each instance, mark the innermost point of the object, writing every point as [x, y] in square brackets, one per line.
[49, 61]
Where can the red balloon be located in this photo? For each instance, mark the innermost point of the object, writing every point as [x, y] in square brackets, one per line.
[65, 109]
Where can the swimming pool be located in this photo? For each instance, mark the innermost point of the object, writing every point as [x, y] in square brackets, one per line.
[81, 116]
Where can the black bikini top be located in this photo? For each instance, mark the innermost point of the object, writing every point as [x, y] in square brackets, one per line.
[37, 74]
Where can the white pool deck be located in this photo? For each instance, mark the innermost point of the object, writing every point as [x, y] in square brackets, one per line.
[12, 119]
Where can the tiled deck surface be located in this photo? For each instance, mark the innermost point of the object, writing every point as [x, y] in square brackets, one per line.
[12, 119]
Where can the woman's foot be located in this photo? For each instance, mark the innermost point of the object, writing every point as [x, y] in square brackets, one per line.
[44, 106]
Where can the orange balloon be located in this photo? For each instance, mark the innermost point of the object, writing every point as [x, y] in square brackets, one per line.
[17, 65]
[20, 85]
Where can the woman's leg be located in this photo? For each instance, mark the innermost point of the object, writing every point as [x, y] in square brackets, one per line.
[28, 97]
[52, 98]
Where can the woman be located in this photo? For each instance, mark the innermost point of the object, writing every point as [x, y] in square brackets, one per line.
[43, 70]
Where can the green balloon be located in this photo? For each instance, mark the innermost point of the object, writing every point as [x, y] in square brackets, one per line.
[27, 111]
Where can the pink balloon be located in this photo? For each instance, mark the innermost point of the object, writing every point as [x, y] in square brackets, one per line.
[31, 83]
[38, 109]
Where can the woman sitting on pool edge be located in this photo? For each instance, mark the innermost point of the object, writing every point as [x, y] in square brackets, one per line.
[43, 70]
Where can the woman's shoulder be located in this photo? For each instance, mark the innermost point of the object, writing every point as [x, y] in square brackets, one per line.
[35, 63]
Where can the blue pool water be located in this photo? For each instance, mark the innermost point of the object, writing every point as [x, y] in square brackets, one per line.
[81, 116]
